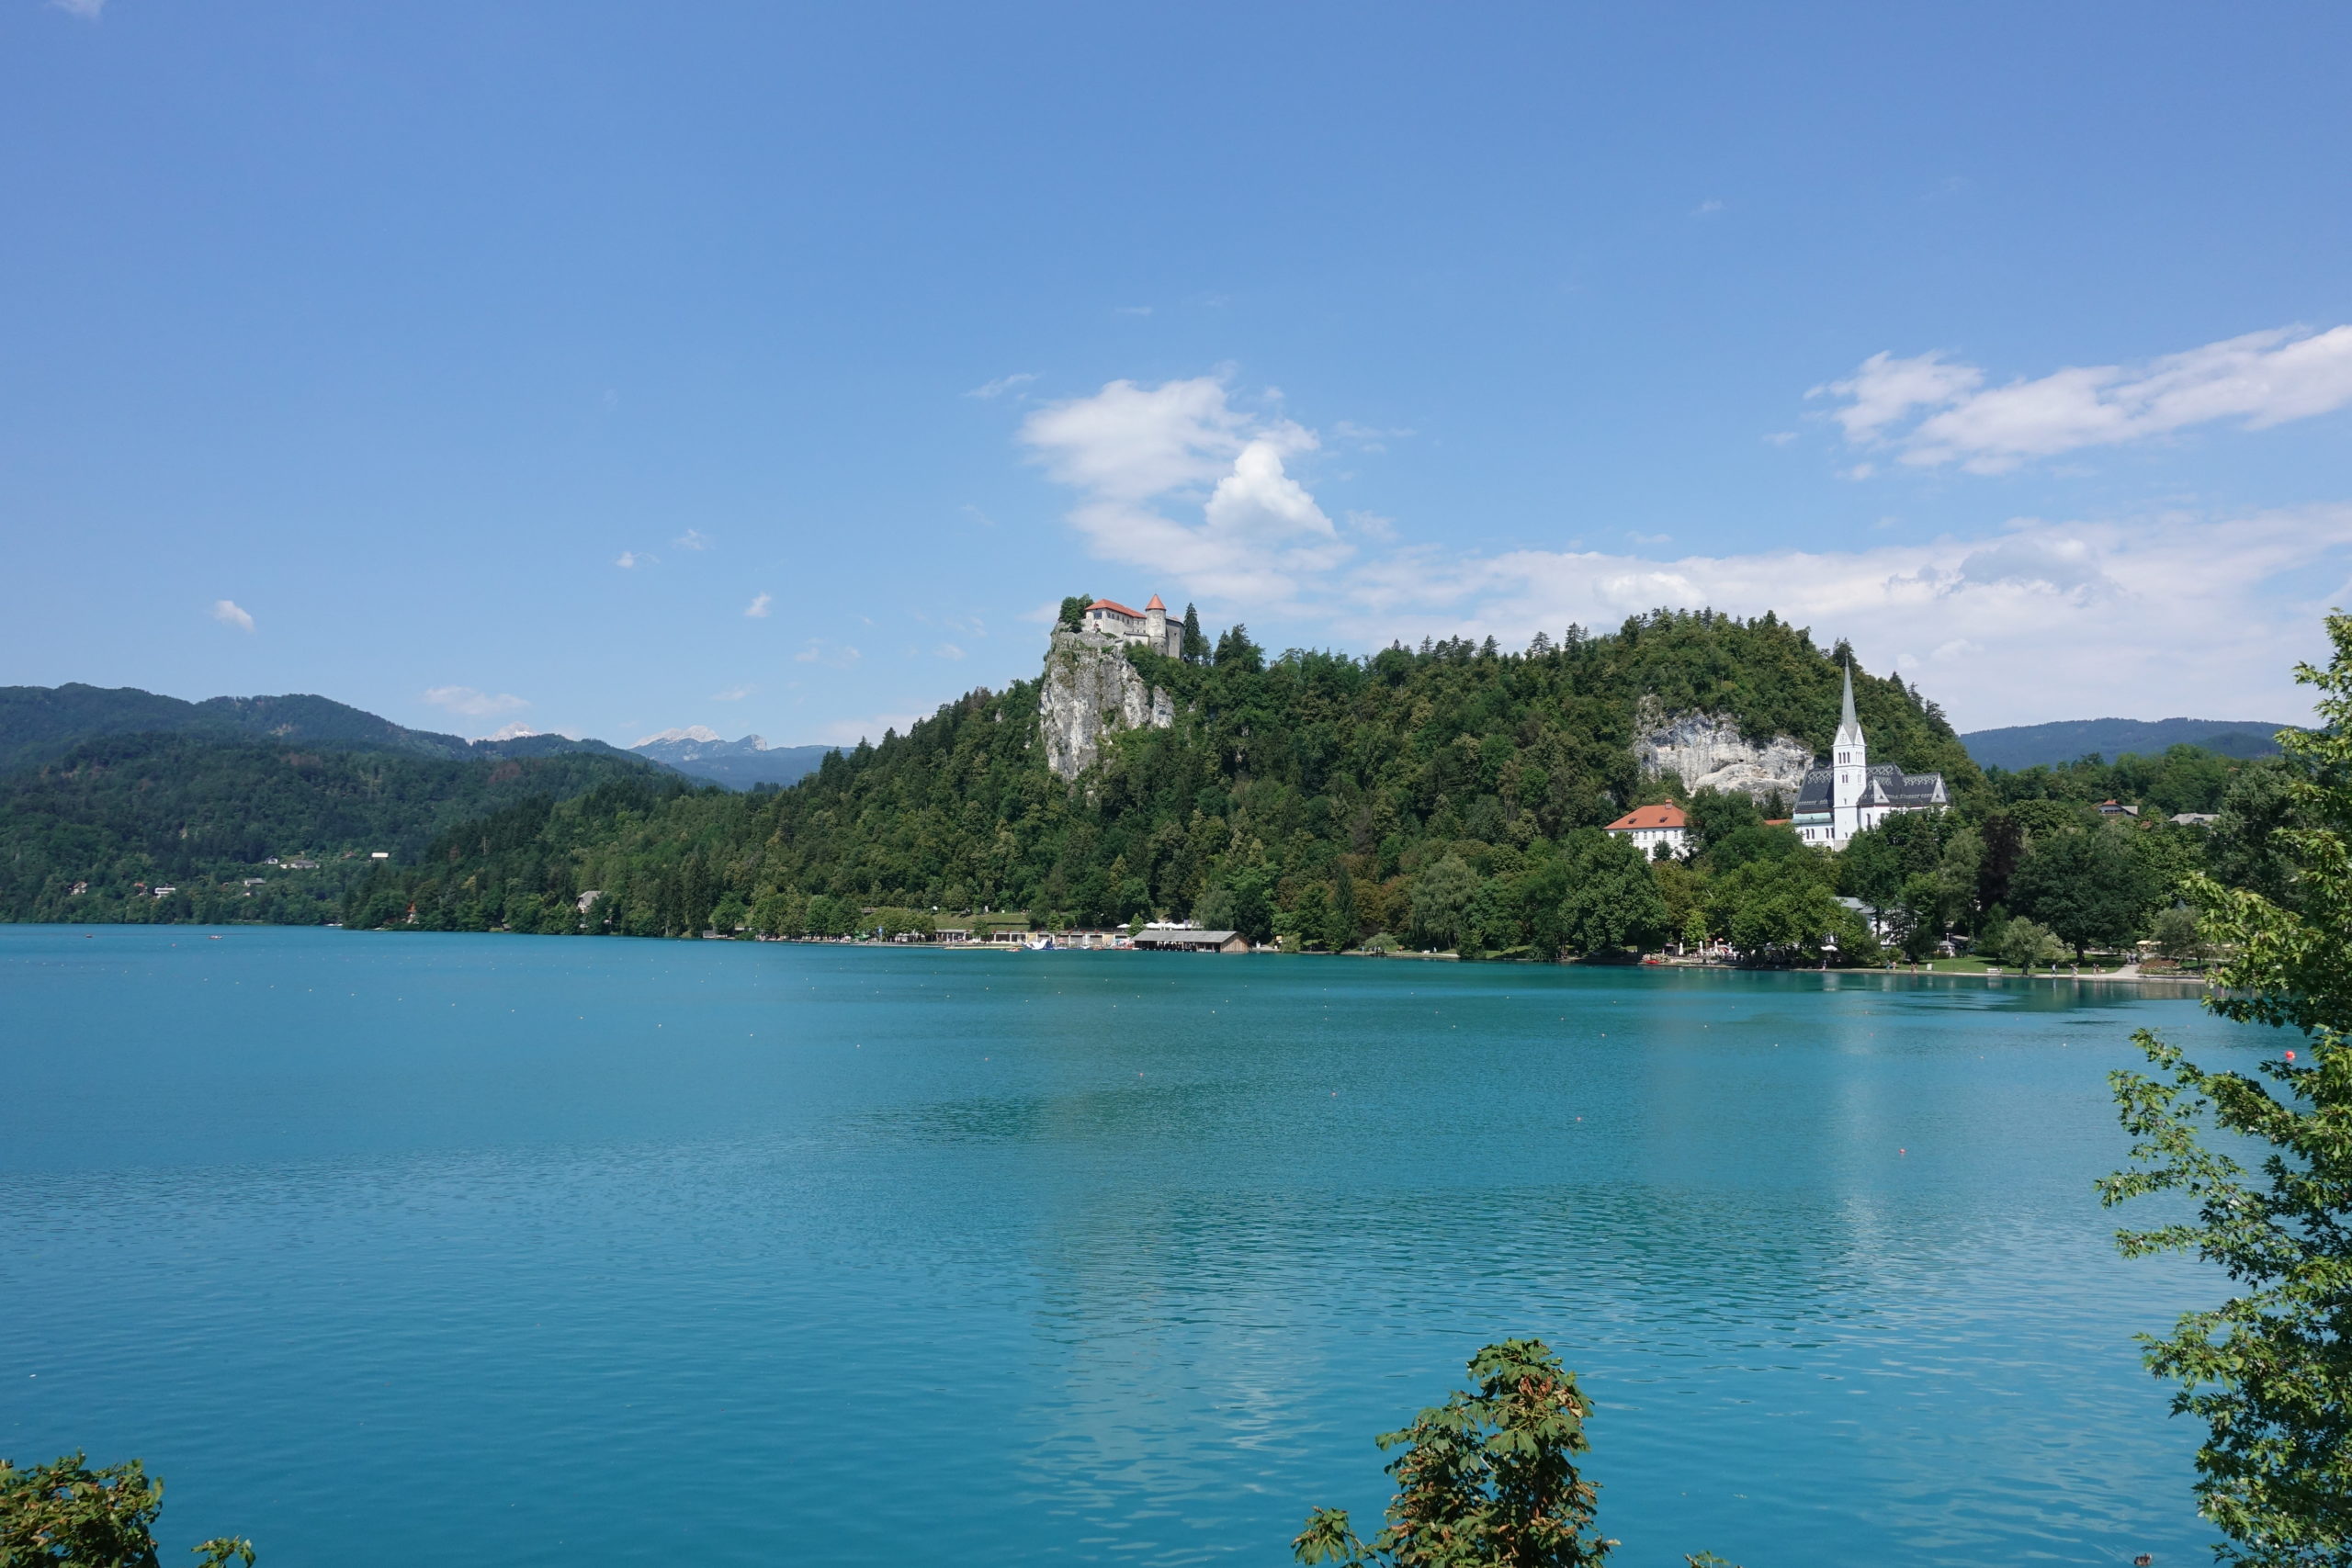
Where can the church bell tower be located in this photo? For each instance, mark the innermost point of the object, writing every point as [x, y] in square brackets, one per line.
[1850, 764]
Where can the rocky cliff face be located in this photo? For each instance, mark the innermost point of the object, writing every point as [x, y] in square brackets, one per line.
[1091, 691]
[1706, 750]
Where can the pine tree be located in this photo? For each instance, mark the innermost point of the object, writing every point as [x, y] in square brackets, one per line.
[1346, 924]
[1488, 1477]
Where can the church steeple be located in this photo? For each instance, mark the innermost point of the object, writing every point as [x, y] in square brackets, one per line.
[1849, 771]
[1849, 728]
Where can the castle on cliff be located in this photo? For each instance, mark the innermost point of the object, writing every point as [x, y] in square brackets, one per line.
[1850, 794]
[1149, 625]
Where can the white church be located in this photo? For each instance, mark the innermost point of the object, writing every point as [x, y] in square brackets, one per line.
[1836, 802]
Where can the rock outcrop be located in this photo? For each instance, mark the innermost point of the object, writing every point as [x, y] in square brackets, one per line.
[1091, 691]
[1706, 750]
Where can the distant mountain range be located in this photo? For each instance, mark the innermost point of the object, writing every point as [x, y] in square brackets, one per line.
[2028, 745]
[37, 723]
[739, 764]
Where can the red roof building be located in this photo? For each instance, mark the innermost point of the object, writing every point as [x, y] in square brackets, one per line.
[1148, 626]
[1651, 826]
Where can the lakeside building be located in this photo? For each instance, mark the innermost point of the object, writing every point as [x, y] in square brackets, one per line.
[1148, 626]
[1173, 939]
[1848, 795]
[1650, 826]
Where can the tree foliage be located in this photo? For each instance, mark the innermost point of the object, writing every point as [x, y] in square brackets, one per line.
[1456, 788]
[2092, 888]
[2180, 778]
[126, 814]
[67, 1515]
[2270, 1370]
[1284, 783]
[1487, 1479]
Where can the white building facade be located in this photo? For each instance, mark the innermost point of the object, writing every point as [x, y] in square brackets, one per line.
[1849, 796]
[1650, 826]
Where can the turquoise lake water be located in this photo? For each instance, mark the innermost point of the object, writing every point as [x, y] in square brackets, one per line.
[387, 1249]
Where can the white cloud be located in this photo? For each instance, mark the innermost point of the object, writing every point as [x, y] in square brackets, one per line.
[1131, 310]
[1367, 438]
[86, 9]
[474, 704]
[1003, 385]
[2260, 379]
[758, 608]
[1887, 389]
[631, 559]
[732, 694]
[229, 613]
[513, 729]
[948, 650]
[693, 539]
[2045, 620]
[1136, 453]
[1707, 207]
[837, 656]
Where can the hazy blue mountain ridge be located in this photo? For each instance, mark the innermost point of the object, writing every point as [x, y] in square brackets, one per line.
[2066, 740]
[39, 723]
[739, 764]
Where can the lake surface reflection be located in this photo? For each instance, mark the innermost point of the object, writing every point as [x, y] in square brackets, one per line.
[511, 1250]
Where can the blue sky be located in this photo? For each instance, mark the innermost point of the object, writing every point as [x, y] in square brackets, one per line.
[610, 368]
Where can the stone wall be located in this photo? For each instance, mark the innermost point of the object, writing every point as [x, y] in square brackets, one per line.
[1091, 691]
[1706, 750]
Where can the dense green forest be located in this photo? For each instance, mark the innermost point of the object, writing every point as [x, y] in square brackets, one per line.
[120, 816]
[1452, 794]
[1447, 796]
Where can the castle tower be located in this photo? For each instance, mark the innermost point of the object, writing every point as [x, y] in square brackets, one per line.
[1154, 627]
[1850, 764]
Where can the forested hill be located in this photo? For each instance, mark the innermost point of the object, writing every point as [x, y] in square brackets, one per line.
[127, 814]
[1275, 777]
[2068, 740]
[40, 722]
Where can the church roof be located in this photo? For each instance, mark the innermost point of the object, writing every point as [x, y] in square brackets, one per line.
[1114, 604]
[1155, 603]
[1899, 788]
[1883, 784]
